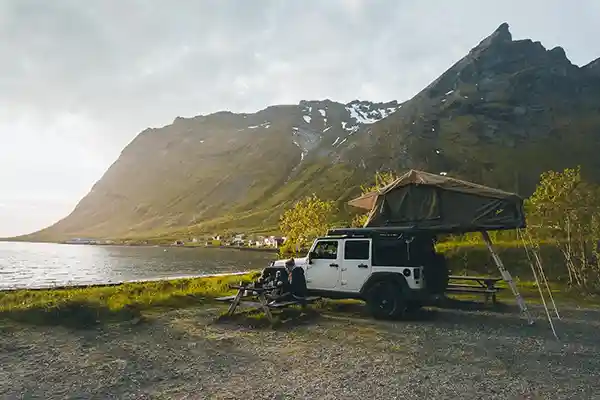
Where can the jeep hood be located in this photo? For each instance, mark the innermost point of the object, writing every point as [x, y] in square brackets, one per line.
[301, 261]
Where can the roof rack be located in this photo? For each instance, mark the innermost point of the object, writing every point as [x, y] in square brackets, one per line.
[367, 232]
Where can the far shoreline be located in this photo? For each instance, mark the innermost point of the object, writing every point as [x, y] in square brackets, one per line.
[161, 245]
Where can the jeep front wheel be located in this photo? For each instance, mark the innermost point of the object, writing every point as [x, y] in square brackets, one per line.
[385, 300]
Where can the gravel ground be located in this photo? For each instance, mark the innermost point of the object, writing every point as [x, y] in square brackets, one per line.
[185, 354]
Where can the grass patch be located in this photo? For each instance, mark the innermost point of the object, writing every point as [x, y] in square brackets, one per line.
[86, 307]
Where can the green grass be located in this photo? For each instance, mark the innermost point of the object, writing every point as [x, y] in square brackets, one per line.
[82, 307]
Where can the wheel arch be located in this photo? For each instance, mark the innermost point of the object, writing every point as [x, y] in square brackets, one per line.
[376, 277]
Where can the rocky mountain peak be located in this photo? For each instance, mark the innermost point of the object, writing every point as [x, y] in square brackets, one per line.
[501, 35]
[497, 58]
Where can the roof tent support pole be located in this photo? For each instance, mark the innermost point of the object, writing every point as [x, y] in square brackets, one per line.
[506, 276]
[538, 258]
[537, 281]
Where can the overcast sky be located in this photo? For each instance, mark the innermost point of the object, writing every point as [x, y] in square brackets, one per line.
[80, 78]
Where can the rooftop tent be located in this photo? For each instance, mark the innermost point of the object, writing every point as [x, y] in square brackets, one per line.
[432, 202]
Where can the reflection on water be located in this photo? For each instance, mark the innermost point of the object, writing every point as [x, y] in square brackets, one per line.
[42, 264]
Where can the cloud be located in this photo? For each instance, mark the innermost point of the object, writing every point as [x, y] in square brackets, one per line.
[78, 79]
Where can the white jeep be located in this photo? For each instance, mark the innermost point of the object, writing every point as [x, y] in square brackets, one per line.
[393, 270]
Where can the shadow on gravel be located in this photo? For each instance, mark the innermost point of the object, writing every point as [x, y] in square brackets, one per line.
[283, 320]
[500, 319]
[573, 331]
[75, 315]
[359, 309]
[470, 305]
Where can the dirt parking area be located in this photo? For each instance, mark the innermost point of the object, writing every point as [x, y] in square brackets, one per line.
[190, 354]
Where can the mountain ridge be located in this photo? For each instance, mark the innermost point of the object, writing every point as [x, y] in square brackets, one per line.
[502, 114]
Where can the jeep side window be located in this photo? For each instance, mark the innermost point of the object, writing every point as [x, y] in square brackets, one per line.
[356, 250]
[326, 250]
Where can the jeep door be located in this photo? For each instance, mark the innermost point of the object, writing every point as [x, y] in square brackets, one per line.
[356, 264]
[324, 270]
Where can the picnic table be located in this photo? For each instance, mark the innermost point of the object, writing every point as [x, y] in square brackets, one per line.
[482, 284]
[260, 297]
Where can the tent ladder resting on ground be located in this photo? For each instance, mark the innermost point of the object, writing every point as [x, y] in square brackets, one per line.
[439, 204]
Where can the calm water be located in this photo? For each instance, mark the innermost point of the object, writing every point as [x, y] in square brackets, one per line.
[40, 264]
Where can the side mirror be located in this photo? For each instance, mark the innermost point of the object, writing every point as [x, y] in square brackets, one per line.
[311, 255]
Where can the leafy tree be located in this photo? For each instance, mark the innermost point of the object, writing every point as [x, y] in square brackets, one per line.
[382, 179]
[565, 210]
[309, 218]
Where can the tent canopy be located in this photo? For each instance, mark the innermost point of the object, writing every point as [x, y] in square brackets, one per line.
[426, 201]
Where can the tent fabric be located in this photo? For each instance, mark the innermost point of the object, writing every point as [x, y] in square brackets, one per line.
[443, 204]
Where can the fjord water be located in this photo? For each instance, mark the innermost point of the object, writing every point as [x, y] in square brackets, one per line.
[32, 265]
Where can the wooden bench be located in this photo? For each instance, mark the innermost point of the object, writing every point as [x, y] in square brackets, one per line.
[284, 304]
[249, 292]
[485, 285]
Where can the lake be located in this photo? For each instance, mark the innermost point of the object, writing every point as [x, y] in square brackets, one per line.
[35, 265]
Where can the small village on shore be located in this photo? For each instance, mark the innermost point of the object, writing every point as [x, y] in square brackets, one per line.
[236, 240]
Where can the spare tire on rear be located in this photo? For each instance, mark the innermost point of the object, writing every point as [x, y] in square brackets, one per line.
[436, 274]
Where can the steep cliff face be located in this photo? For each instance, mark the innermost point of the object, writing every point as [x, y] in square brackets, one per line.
[501, 115]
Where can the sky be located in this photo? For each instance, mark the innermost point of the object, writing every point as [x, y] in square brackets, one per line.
[79, 79]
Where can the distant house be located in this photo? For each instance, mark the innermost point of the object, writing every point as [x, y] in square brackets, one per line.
[273, 241]
[215, 241]
[81, 241]
[238, 240]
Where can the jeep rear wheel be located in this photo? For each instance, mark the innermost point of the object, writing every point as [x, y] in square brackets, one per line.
[386, 300]
[413, 306]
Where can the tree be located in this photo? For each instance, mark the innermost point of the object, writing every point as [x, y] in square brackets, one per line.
[307, 219]
[565, 210]
[382, 179]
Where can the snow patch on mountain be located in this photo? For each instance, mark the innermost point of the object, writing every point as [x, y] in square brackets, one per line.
[368, 113]
[306, 139]
[350, 129]
[302, 151]
[265, 125]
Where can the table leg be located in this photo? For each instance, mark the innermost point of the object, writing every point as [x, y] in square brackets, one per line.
[235, 302]
[265, 306]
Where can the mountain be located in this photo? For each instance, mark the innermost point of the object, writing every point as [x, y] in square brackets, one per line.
[503, 114]
[224, 166]
[500, 116]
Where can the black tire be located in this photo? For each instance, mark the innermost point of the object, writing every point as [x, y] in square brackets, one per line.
[386, 300]
[413, 307]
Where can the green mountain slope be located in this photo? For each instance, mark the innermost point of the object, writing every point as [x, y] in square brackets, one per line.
[501, 115]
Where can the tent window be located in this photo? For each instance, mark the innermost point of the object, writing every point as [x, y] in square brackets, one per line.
[413, 203]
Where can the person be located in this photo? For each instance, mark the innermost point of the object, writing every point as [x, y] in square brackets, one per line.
[297, 279]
